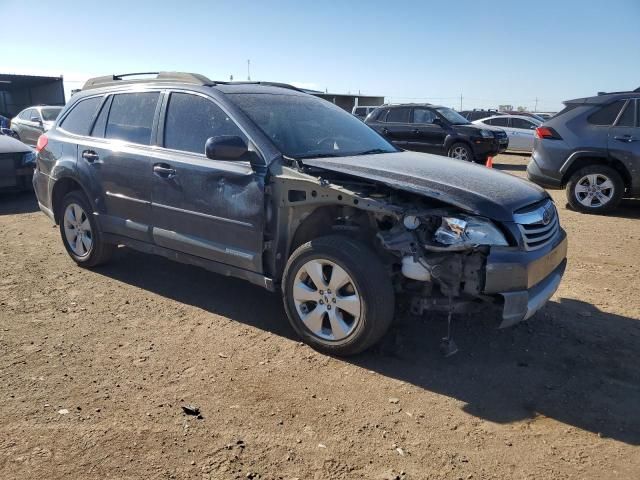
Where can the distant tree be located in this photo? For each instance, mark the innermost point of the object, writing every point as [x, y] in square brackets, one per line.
[522, 109]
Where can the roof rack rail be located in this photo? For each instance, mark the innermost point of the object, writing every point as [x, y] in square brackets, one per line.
[182, 77]
[267, 84]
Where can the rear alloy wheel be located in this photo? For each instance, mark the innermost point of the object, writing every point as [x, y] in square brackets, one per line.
[460, 151]
[595, 189]
[338, 295]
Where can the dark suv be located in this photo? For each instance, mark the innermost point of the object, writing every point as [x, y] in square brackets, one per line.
[592, 148]
[439, 130]
[286, 190]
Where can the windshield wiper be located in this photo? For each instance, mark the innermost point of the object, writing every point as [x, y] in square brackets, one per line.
[373, 151]
[317, 155]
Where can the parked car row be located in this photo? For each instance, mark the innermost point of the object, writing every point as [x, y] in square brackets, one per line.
[288, 191]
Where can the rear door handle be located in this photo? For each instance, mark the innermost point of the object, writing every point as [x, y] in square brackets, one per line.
[163, 170]
[415, 131]
[90, 156]
[384, 130]
[625, 138]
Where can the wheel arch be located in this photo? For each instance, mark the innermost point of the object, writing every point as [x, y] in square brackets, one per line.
[588, 160]
[62, 187]
[323, 221]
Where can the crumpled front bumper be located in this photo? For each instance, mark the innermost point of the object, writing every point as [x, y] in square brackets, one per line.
[525, 280]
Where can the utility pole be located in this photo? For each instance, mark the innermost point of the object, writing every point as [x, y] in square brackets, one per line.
[461, 102]
[249, 70]
[536, 109]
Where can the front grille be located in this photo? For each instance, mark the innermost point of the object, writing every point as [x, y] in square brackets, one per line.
[538, 224]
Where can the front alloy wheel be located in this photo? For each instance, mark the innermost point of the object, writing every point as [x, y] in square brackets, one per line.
[460, 151]
[326, 299]
[338, 295]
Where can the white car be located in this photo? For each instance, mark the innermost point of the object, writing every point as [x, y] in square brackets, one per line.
[520, 129]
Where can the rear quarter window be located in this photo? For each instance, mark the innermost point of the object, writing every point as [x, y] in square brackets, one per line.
[606, 115]
[79, 119]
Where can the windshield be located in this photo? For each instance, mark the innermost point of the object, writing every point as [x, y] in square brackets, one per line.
[50, 114]
[452, 116]
[302, 126]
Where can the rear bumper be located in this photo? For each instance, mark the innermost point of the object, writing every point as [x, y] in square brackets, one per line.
[536, 175]
[525, 280]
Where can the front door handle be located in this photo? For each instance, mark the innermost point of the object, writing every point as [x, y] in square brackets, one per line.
[625, 138]
[90, 156]
[163, 170]
[415, 131]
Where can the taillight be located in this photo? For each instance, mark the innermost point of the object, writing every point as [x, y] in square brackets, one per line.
[547, 132]
[42, 142]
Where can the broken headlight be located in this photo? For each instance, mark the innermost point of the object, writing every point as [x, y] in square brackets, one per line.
[466, 230]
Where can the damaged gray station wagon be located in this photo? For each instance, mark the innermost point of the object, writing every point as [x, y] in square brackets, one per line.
[264, 182]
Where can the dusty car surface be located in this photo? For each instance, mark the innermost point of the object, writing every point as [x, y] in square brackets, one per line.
[266, 183]
[17, 162]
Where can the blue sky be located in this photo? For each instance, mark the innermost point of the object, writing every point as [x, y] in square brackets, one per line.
[491, 52]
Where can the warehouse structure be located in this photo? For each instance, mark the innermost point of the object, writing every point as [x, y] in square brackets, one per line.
[18, 92]
[347, 101]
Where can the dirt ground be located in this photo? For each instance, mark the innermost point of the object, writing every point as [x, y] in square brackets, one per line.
[96, 365]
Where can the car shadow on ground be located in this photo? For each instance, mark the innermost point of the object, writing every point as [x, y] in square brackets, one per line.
[17, 203]
[572, 363]
[509, 167]
[628, 208]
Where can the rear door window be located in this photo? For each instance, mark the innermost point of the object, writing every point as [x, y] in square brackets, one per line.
[79, 119]
[192, 119]
[499, 122]
[522, 123]
[627, 119]
[607, 114]
[131, 117]
[398, 115]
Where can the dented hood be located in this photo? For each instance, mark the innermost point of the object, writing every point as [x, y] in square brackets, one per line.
[471, 187]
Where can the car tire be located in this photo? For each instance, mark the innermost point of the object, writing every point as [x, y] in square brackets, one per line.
[352, 316]
[80, 232]
[461, 151]
[595, 189]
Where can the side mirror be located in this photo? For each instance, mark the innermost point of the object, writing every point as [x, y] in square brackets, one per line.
[226, 147]
[438, 121]
[36, 120]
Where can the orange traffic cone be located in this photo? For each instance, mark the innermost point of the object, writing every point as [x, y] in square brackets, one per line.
[489, 163]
